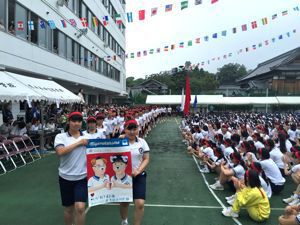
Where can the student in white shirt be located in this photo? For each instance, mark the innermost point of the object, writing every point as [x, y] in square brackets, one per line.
[140, 159]
[276, 155]
[101, 128]
[92, 132]
[70, 147]
[271, 170]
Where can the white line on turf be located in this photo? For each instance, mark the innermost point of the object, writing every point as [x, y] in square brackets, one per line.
[87, 209]
[213, 193]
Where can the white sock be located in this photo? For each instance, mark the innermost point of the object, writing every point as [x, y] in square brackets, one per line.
[125, 221]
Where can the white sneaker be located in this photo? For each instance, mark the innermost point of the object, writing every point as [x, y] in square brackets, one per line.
[228, 212]
[231, 201]
[217, 186]
[204, 170]
[289, 200]
[294, 202]
[230, 197]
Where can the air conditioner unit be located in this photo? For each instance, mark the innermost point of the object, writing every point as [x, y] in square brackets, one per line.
[60, 3]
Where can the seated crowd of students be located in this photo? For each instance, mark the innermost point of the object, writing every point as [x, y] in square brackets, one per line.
[252, 154]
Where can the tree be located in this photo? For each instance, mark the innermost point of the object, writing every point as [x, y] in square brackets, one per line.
[229, 73]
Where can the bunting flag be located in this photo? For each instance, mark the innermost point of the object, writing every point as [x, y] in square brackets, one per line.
[296, 8]
[42, 24]
[234, 30]
[84, 22]
[132, 55]
[244, 27]
[151, 51]
[214, 1]
[138, 54]
[141, 14]
[198, 2]
[181, 45]
[224, 33]
[166, 48]
[274, 16]
[73, 22]
[206, 38]
[195, 103]
[187, 101]
[63, 23]
[105, 20]
[20, 25]
[30, 25]
[154, 11]
[254, 25]
[158, 50]
[264, 21]
[190, 43]
[215, 35]
[95, 22]
[129, 17]
[284, 13]
[168, 8]
[197, 41]
[172, 47]
[184, 5]
[52, 24]
[108, 58]
[145, 52]
[118, 19]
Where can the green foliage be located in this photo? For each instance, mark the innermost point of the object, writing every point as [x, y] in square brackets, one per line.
[201, 81]
[229, 73]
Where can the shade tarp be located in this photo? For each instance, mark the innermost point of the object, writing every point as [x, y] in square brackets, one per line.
[11, 89]
[52, 91]
[220, 100]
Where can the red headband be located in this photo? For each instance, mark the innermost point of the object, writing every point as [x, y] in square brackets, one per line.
[74, 114]
[297, 154]
[255, 168]
[91, 118]
[260, 151]
[130, 122]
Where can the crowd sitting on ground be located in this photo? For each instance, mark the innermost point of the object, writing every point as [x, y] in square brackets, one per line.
[252, 153]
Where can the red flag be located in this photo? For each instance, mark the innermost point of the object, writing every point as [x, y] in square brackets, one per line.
[187, 95]
[213, 1]
[141, 14]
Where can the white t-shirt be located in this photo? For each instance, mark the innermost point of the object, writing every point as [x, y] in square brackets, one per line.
[227, 135]
[97, 135]
[239, 171]
[258, 145]
[209, 152]
[95, 181]
[276, 155]
[138, 149]
[295, 168]
[227, 153]
[267, 188]
[292, 134]
[125, 180]
[72, 166]
[272, 171]
[288, 145]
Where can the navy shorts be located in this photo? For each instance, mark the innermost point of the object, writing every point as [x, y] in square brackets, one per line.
[73, 191]
[139, 186]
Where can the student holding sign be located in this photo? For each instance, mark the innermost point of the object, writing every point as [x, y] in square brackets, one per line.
[140, 159]
[70, 147]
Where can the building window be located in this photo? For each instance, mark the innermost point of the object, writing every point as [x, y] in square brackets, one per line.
[61, 44]
[101, 66]
[21, 22]
[93, 62]
[48, 37]
[81, 56]
[55, 41]
[75, 52]
[11, 17]
[42, 36]
[86, 58]
[69, 48]
[2, 14]
[34, 33]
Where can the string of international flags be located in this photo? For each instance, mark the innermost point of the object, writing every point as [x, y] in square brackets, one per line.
[198, 40]
[248, 49]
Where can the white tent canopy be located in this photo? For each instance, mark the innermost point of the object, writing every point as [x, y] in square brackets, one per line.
[46, 89]
[220, 100]
[12, 89]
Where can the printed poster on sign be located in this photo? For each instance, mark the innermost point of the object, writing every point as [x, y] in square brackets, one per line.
[109, 171]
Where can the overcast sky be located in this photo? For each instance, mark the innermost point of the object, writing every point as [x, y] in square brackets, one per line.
[206, 19]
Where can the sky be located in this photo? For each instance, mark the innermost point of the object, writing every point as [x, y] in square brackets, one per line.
[177, 26]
